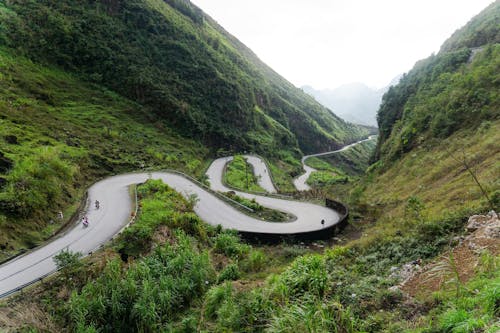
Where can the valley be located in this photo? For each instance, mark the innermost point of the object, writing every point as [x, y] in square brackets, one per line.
[196, 151]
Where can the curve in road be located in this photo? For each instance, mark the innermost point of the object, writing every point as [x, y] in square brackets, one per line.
[301, 181]
[260, 170]
[115, 211]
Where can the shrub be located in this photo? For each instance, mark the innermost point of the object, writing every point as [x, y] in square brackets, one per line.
[231, 272]
[306, 274]
[228, 243]
[146, 296]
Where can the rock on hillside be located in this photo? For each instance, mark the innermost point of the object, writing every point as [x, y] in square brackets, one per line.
[484, 237]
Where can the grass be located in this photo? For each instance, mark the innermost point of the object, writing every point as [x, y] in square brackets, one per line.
[240, 175]
[155, 276]
[259, 211]
[353, 161]
[324, 178]
[436, 178]
[69, 133]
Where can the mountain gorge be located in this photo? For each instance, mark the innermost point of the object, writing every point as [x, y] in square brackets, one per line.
[353, 102]
[90, 89]
[102, 87]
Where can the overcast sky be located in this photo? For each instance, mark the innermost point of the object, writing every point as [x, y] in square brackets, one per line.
[326, 43]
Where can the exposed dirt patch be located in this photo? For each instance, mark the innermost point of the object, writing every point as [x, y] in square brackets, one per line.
[245, 285]
[462, 261]
[19, 313]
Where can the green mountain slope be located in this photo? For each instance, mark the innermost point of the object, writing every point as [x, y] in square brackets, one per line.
[91, 88]
[173, 59]
[456, 89]
[57, 134]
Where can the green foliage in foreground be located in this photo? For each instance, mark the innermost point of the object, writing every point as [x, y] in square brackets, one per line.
[150, 292]
[475, 309]
[239, 174]
[346, 290]
[175, 269]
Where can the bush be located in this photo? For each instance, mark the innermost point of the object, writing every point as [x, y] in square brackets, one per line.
[146, 296]
[255, 262]
[228, 243]
[38, 182]
[306, 274]
[231, 272]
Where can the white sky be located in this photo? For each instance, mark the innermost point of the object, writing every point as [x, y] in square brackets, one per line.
[326, 43]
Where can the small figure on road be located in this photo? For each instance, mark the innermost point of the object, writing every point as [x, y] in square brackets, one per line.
[85, 221]
[97, 204]
[323, 222]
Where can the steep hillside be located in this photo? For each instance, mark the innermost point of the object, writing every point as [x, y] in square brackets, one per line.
[439, 129]
[173, 59]
[57, 134]
[454, 90]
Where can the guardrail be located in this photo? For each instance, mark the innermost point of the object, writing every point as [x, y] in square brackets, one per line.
[343, 211]
[307, 236]
[32, 282]
[325, 233]
[207, 188]
[74, 217]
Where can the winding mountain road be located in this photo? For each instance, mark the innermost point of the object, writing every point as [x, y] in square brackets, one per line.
[116, 208]
[260, 170]
[301, 181]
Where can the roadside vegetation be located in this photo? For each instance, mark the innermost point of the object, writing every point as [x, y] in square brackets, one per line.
[353, 161]
[240, 175]
[342, 167]
[172, 272]
[259, 211]
[162, 273]
[59, 134]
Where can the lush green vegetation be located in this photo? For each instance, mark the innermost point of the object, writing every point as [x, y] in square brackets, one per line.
[341, 167]
[171, 272]
[65, 67]
[58, 134]
[164, 273]
[164, 55]
[475, 308]
[239, 174]
[444, 93]
[259, 211]
[325, 178]
[353, 161]
[481, 30]
[175, 266]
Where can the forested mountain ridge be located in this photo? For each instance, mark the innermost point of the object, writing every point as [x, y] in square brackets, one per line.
[452, 90]
[172, 58]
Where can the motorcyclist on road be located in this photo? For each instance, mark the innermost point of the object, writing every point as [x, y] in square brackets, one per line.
[97, 204]
[85, 221]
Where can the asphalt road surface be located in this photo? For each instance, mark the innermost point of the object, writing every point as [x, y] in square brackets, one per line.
[115, 213]
[260, 171]
[300, 182]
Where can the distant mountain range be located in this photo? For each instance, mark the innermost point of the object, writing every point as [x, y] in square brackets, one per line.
[354, 102]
